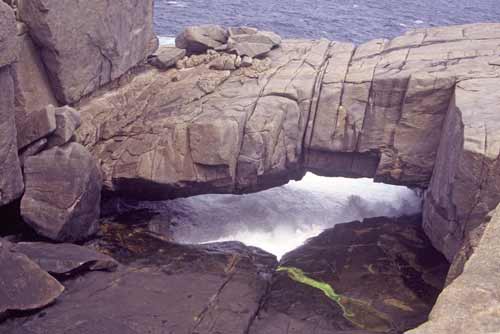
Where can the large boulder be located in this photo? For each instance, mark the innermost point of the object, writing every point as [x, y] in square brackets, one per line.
[198, 39]
[11, 181]
[84, 46]
[24, 285]
[166, 57]
[32, 86]
[63, 192]
[254, 44]
[35, 126]
[8, 32]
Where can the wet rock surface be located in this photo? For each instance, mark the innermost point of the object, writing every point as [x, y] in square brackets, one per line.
[160, 287]
[377, 276]
[382, 273]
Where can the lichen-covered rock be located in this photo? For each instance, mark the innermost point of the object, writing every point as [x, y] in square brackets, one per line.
[63, 192]
[24, 285]
[84, 46]
[198, 39]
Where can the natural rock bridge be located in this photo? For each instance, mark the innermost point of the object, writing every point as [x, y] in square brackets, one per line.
[420, 110]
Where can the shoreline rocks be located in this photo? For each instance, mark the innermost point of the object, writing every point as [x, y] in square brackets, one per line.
[63, 193]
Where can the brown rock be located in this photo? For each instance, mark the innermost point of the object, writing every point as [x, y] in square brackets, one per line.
[24, 285]
[470, 304]
[11, 179]
[198, 39]
[67, 121]
[35, 126]
[32, 86]
[83, 46]
[377, 276]
[166, 57]
[8, 41]
[62, 259]
[63, 192]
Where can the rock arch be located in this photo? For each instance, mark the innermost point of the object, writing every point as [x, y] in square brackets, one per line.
[420, 110]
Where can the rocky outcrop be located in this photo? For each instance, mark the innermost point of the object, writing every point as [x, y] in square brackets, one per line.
[383, 109]
[63, 192]
[160, 287]
[65, 259]
[471, 303]
[31, 83]
[377, 276]
[84, 46]
[166, 57]
[11, 181]
[198, 39]
[25, 286]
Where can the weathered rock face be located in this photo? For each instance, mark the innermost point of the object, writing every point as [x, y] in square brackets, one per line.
[8, 41]
[381, 110]
[11, 181]
[471, 303]
[160, 288]
[64, 259]
[63, 192]
[32, 86]
[35, 126]
[198, 39]
[84, 46]
[25, 286]
[166, 57]
[380, 275]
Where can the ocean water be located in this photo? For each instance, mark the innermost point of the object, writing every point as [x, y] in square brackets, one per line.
[345, 20]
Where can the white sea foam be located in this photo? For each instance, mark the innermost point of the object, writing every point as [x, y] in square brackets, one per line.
[281, 219]
[166, 40]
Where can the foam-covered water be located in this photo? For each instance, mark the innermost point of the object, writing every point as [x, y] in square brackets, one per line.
[348, 20]
[281, 219]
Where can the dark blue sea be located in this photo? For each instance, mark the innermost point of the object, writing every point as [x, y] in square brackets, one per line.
[346, 20]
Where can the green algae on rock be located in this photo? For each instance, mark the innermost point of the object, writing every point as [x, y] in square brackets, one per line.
[358, 312]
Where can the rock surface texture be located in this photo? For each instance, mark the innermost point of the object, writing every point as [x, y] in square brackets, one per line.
[63, 192]
[11, 180]
[84, 45]
[419, 110]
[160, 288]
[471, 303]
[24, 285]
